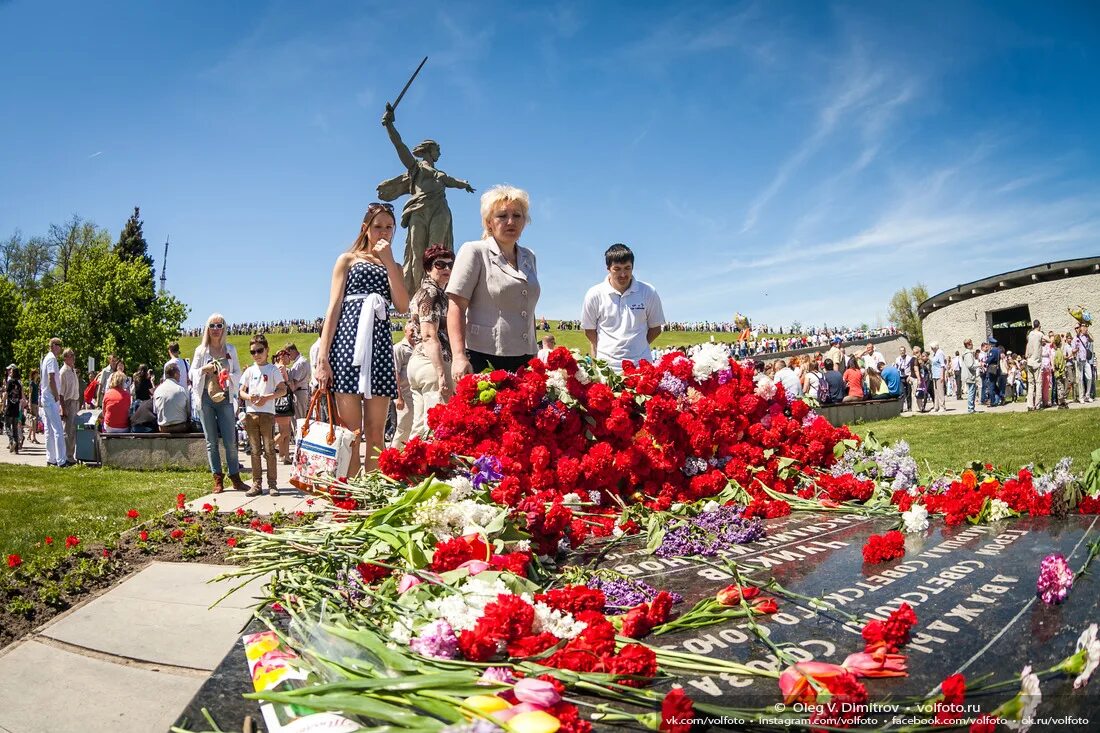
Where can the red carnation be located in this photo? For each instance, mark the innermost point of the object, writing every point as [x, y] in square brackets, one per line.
[479, 644]
[894, 632]
[880, 548]
[529, 646]
[177, 533]
[573, 599]
[14, 561]
[949, 709]
[677, 712]
[181, 499]
[71, 541]
[143, 535]
[231, 541]
[513, 562]
[49, 540]
[634, 660]
[370, 572]
[132, 514]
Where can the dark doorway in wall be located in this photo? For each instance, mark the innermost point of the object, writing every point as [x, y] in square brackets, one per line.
[1010, 327]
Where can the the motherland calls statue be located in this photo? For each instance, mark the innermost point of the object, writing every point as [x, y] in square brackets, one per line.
[426, 214]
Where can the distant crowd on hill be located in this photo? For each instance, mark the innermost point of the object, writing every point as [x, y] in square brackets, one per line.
[779, 338]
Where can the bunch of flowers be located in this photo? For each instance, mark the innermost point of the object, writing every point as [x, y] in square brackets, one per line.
[890, 465]
[714, 529]
[882, 547]
[675, 431]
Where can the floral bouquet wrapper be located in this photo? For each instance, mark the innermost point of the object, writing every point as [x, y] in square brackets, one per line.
[273, 667]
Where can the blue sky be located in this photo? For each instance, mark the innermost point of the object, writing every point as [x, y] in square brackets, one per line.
[791, 161]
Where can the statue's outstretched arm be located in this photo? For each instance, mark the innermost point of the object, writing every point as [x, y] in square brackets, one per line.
[452, 182]
[403, 152]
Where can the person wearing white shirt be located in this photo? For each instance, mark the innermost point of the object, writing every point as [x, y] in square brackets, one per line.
[792, 385]
[621, 315]
[181, 364]
[172, 403]
[261, 383]
[56, 454]
[549, 343]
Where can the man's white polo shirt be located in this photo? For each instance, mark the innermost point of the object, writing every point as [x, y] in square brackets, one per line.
[621, 320]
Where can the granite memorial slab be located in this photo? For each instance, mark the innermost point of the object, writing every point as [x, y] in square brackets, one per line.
[972, 588]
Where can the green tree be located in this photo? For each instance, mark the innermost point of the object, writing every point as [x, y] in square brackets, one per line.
[131, 242]
[903, 312]
[103, 305]
[10, 305]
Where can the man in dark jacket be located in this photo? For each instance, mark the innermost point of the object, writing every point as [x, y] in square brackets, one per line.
[835, 382]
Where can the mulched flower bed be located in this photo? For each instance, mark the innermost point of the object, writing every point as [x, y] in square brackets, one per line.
[67, 571]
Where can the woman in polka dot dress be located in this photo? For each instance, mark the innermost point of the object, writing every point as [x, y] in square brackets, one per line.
[355, 359]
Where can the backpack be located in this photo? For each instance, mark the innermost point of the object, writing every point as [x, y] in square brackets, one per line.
[15, 395]
[822, 389]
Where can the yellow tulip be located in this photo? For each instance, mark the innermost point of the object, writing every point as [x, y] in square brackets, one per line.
[534, 721]
[487, 704]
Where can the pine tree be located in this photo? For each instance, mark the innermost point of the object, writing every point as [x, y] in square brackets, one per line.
[131, 243]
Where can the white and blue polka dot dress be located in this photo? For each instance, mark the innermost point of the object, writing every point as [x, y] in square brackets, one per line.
[363, 278]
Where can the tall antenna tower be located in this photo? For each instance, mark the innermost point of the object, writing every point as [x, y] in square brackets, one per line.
[164, 268]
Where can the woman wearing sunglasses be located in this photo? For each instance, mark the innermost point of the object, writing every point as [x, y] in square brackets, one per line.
[355, 359]
[430, 364]
[215, 378]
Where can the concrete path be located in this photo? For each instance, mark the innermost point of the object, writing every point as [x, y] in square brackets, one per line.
[958, 407]
[128, 660]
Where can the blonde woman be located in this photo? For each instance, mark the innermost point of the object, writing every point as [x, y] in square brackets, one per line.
[355, 358]
[494, 289]
[215, 379]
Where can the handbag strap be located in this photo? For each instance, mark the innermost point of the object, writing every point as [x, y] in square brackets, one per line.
[312, 414]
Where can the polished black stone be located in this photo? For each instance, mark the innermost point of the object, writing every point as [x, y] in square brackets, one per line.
[221, 693]
[972, 588]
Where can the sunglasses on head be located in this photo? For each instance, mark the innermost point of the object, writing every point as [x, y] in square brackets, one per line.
[376, 205]
[443, 264]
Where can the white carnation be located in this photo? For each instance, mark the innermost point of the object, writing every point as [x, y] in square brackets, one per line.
[559, 623]
[522, 546]
[571, 499]
[463, 608]
[998, 510]
[1089, 644]
[708, 360]
[916, 519]
[595, 497]
[556, 379]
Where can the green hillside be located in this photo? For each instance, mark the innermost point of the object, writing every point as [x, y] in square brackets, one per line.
[571, 339]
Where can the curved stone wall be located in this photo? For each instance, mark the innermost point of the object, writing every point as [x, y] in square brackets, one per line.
[972, 318]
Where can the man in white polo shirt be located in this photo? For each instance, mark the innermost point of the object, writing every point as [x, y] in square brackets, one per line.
[621, 315]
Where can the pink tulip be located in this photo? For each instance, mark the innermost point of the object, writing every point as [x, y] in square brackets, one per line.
[877, 663]
[537, 692]
[795, 685]
[503, 716]
[407, 582]
[475, 566]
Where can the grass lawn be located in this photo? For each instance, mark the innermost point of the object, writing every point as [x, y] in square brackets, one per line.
[570, 339]
[90, 503]
[1007, 440]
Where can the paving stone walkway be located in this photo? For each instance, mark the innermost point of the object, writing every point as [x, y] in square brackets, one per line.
[128, 660]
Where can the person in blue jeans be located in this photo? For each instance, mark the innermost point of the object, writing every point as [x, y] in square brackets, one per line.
[215, 378]
[993, 373]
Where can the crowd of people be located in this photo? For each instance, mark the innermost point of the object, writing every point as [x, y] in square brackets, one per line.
[474, 310]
